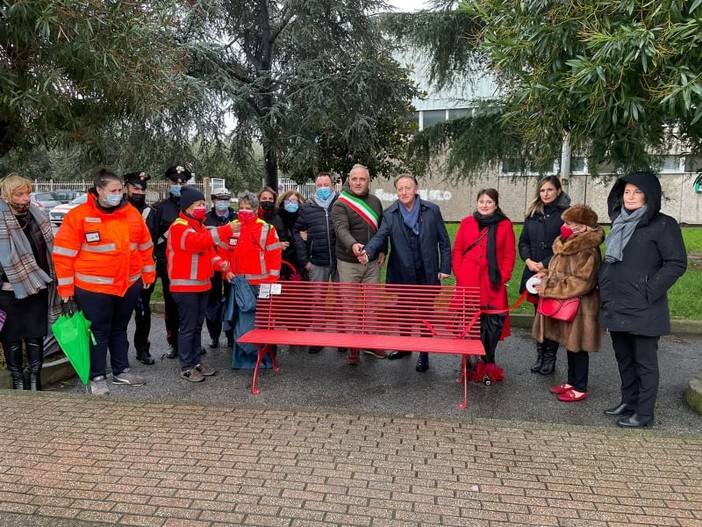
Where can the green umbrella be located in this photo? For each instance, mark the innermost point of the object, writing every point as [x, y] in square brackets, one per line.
[72, 331]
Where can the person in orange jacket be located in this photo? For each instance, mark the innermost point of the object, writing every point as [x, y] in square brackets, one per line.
[191, 261]
[103, 258]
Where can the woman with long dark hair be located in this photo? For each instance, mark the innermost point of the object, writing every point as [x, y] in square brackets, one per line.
[484, 255]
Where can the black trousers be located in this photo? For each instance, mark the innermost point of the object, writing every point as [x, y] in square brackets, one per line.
[578, 369]
[219, 293]
[191, 308]
[109, 317]
[170, 313]
[142, 320]
[637, 358]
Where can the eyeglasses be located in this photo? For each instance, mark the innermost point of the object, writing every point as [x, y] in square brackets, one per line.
[289, 201]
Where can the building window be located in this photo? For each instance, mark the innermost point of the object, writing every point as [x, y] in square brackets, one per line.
[432, 117]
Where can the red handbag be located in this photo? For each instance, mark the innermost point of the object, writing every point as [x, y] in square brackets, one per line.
[558, 308]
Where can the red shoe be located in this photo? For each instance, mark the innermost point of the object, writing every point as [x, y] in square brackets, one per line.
[353, 356]
[570, 397]
[561, 388]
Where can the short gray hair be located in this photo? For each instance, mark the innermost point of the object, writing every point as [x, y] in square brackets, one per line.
[250, 198]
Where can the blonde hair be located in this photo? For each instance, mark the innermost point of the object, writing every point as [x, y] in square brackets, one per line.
[536, 206]
[11, 183]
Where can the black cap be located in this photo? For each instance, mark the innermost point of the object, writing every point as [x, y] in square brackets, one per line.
[188, 196]
[178, 173]
[137, 179]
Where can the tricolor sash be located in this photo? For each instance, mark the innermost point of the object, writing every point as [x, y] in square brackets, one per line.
[361, 208]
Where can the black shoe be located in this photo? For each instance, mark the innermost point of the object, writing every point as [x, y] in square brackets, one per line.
[422, 363]
[342, 350]
[230, 343]
[146, 358]
[203, 351]
[214, 343]
[171, 353]
[314, 350]
[621, 409]
[394, 355]
[634, 421]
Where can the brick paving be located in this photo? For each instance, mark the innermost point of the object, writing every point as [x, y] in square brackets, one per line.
[68, 460]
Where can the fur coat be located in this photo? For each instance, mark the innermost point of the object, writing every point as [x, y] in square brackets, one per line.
[573, 272]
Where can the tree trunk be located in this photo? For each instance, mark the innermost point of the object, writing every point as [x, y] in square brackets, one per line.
[270, 163]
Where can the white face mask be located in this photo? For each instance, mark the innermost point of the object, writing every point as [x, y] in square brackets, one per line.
[113, 200]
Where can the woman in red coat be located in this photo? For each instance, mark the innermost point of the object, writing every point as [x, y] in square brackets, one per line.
[483, 256]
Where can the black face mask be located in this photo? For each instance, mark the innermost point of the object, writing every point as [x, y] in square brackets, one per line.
[137, 199]
[267, 205]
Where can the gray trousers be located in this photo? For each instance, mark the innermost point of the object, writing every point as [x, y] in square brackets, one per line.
[319, 273]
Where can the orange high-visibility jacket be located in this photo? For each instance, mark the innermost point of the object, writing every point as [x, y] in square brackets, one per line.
[256, 252]
[191, 255]
[102, 252]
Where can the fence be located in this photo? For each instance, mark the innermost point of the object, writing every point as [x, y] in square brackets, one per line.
[155, 190]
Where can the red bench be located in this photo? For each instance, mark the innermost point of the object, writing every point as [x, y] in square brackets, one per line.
[434, 319]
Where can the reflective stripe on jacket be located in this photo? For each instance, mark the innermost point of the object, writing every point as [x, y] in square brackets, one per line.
[190, 251]
[102, 252]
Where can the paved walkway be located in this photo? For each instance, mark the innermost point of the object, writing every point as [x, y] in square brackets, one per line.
[70, 460]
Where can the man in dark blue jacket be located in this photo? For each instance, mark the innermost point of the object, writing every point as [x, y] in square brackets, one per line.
[420, 245]
[315, 240]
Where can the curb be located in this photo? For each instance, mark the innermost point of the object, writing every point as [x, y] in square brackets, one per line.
[693, 394]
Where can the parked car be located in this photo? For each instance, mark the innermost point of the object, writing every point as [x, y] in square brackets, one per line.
[45, 200]
[67, 195]
[59, 212]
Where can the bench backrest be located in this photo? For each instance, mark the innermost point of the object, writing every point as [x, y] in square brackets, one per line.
[372, 309]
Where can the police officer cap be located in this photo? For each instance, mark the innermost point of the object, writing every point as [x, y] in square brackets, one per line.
[178, 173]
[221, 193]
[137, 179]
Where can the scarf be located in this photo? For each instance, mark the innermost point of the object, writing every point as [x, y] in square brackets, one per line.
[324, 203]
[623, 228]
[490, 222]
[411, 217]
[360, 207]
[16, 256]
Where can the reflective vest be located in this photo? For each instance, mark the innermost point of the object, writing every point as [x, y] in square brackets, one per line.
[102, 252]
[191, 256]
[256, 252]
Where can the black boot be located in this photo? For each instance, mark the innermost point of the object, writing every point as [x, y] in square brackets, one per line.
[550, 349]
[143, 355]
[35, 358]
[15, 363]
[539, 358]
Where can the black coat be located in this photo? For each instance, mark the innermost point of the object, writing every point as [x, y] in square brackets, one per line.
[539, 233]
[633, 292]
[434, 242]
[167, 211]
[320, 247]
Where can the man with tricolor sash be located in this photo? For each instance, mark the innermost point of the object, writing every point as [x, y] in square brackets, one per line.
[356, 216]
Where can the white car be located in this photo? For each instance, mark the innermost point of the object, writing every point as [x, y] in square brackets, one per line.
[59, 212]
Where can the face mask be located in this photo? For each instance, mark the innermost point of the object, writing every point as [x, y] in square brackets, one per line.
[20, 208]
[291, 207]
[221, 206]
[246, 215]
[113, 200]
[175, 190]
[323, 193]
[267, 205]
[137, 199]
[566, 232]
[199, 213]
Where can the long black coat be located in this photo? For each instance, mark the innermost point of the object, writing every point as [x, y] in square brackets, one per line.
[633, 292]
[539, 233]
[434, 242]
[319, 249]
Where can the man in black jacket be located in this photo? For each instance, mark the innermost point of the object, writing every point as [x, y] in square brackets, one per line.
[135, 187]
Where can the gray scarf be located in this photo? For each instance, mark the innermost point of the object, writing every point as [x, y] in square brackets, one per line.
[324, 203]
[622, 229]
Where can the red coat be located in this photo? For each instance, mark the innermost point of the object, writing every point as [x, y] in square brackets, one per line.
[256, 252]
[191, 255]
[471, 268]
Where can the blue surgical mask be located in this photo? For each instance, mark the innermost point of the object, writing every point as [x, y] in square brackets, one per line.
[221, 206]
[323, 193]
[113, 200]
[291, 207]
[175, 190]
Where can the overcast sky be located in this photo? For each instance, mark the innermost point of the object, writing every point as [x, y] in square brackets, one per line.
[407, 5]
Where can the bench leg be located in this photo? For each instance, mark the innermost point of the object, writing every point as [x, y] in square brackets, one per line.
[263, 350]
[464, 374]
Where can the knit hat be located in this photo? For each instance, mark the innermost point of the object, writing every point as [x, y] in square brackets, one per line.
[188, 196]
[178, 173]
[582, 214]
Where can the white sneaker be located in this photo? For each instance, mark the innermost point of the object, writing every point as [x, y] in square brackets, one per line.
[98, 386]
